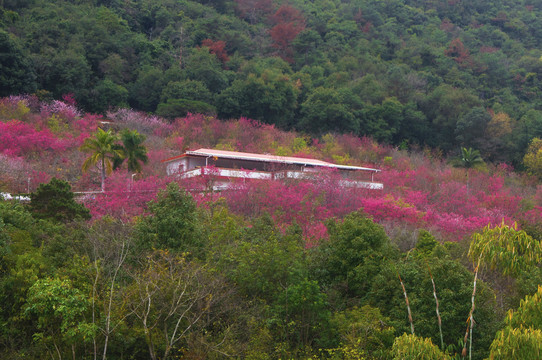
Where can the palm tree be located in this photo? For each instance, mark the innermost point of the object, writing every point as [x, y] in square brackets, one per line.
[134, 151]
[468, 159]
[103, 150]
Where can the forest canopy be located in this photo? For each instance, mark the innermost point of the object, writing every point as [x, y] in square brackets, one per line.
[446, 74]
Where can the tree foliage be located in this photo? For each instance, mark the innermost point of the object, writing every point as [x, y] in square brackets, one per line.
[354, 255]
[411, 347]
[55, 201]
[133, 151]
[103, 151]
[172, 224]
[506, 248]
[16, 73]
[533, 157]
[60, 309]
[520, 338]
[170, 297]
[468, 158]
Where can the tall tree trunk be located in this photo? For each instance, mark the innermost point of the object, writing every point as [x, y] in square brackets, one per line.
[122, 257]
[437, 308]
[467, 175]
[407, 304]
[103, 173]
[94, 287]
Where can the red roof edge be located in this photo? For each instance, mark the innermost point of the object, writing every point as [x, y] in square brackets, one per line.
[173, 158]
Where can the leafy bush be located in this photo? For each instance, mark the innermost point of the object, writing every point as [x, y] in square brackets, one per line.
[411, 347]
[175, 108]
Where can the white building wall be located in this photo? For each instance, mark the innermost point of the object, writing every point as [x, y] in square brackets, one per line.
[188, 167]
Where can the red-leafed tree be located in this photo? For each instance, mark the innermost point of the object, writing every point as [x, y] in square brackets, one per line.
[287, 23]
[217, 48]
[459, 53]
[287, 13]
[363, 24]
[367, 27]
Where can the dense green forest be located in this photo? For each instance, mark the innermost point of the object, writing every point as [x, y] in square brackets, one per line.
[199, 282]
[439, 73]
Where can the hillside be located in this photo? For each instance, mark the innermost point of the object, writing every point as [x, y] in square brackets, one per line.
[421, 190]
[265, 262]
[113, 259]
[439, 73]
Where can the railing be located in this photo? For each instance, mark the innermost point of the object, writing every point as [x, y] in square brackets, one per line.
[264, 175]
[230, 173]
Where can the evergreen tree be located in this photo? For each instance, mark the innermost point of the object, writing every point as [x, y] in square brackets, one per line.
[55, 201]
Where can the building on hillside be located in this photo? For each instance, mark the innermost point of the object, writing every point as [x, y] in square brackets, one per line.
[8, 196]
[229, 165]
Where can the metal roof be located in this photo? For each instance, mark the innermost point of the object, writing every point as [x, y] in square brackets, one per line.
[268, 158]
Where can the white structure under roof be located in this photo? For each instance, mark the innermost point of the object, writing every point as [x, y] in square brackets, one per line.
[228, 165]
[8, 196]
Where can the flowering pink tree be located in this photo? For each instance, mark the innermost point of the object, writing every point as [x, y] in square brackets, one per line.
[21, 139]
[126, 196]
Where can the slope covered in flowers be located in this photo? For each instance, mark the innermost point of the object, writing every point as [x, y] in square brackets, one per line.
[40, 140]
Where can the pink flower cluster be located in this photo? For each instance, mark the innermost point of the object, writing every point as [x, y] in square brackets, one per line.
[439, 203]
[140, 121]
[126, 196]
[242, 135]
[60, 108]
[22, 139]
